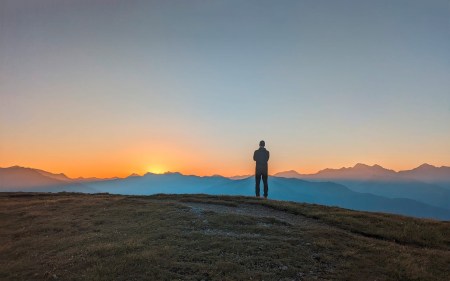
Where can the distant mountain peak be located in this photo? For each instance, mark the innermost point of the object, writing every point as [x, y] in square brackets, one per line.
[358, 171]
[329, 170]
[172, 173]
[133, 175]
[426, 166]
[361, 165]
[288, 174]
[365, 166]
[240, 177]
[163, 174]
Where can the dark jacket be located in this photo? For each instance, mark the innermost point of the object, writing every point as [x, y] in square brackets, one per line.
[261, 156]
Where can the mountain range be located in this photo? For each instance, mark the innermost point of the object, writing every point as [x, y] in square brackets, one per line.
[424, 173]
[426, 183]
[362, 187]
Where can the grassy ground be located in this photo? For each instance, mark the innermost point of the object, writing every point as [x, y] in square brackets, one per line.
[199, 237]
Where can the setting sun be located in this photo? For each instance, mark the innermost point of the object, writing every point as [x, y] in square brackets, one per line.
[156, 169]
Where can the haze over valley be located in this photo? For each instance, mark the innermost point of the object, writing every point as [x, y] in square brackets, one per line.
[420, 192]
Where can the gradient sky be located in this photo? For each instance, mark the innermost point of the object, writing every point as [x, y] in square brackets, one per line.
[108, 88]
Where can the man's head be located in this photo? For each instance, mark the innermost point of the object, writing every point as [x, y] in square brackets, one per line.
[262, 143]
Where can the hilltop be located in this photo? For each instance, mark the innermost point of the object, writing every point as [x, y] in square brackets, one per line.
[74, 236]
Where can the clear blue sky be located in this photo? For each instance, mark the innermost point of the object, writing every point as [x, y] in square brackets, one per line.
[194, 85]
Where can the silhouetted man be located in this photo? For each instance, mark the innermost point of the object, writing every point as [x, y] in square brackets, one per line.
[261, 156]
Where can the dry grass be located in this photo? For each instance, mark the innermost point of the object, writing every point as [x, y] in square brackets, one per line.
[396, 228]
[112, 237]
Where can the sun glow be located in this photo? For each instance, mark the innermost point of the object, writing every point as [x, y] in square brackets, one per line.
[156, 169]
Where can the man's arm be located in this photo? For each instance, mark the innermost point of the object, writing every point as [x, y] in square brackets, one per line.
[268, 155]
[254, 156]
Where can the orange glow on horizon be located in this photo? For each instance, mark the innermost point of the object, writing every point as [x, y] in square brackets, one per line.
[122, 172]
[157, 169]
[122, 157]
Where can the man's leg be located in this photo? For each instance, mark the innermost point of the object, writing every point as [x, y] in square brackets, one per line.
[257, 181]
[266, 185]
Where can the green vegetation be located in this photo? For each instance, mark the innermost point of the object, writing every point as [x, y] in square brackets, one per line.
[69, 236]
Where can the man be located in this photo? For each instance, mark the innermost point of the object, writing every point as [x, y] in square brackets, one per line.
[261, 156]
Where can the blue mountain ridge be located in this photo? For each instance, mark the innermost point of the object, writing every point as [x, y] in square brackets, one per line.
[292, 189]
[325, 193]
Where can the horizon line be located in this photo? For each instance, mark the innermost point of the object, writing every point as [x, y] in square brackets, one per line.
[215, 174]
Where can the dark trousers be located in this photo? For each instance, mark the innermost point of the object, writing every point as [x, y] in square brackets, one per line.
[258, 176]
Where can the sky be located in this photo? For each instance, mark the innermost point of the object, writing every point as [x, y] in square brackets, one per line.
[109, 88]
